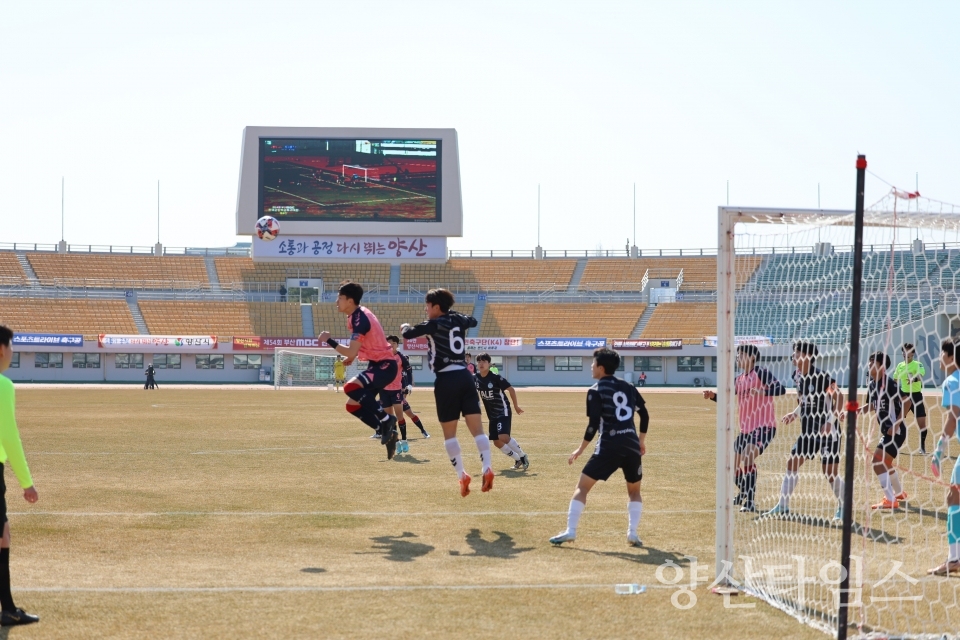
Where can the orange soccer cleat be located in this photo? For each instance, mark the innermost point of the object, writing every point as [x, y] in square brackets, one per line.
[902, 496]
[487, 480]
[465, 485]
[886, 505]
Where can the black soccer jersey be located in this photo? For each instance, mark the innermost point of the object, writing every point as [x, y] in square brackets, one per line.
[447, 337]
[611, 403]
[492, 390]
[884, 398]
[406, 371]
[813, 394]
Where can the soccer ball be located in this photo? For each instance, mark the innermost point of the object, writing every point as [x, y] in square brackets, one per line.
[268, 228]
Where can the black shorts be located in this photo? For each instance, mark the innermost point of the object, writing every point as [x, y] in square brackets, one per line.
[601, 466]
[3, 495]
[390, 398]
[891, 446]
[456, 394]
[827, 445]
[499, 427]
[759, 437]
[916, 403]
[378, 375]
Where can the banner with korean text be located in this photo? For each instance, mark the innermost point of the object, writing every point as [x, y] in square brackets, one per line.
[648, 345]
[571, 343]
[47, 340]
[350, 248]
[156, 343]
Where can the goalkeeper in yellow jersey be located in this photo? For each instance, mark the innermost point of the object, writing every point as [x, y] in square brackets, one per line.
[909, 374]
[10, 449]
[339, 373]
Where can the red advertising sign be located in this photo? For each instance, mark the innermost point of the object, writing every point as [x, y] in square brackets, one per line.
[259, 343]
[416, 344]
[644, 345]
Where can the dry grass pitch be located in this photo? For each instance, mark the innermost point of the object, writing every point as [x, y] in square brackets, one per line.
[204, 513]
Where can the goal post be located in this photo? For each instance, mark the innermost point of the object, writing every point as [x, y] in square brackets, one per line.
[354, 169]
[789, 275]
[305, 367]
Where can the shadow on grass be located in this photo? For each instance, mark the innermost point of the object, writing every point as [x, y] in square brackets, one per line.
[409, 459]
[643, 555]
[313, 570]
[514, 473]
[399, 548]
[874, 535]
[502, 547]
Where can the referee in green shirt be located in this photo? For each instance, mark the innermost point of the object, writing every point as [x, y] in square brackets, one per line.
[909, 374]
[10, 449]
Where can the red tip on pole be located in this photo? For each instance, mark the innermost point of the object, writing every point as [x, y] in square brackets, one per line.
[861, 162]
[853, 406]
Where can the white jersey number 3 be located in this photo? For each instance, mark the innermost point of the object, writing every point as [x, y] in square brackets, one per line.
[623, 410]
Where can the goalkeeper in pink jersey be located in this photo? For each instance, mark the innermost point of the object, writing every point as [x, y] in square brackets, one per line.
[10, 449]
[755, 388]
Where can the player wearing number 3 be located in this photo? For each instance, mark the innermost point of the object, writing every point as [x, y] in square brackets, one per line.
[611, 403]
[454, 389]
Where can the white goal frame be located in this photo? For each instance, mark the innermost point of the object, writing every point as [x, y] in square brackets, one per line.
[355, 166]
[327, 352]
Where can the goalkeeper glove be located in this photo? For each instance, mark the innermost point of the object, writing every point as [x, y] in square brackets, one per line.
[938, 454]
[408, 390]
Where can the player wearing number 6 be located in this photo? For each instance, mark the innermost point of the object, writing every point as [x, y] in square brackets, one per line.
[454, 389]
[611, 403]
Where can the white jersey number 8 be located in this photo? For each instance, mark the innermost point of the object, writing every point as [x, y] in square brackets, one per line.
[623, 410]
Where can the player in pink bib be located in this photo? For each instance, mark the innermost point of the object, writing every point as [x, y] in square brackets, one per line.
[755, 388]
[368, 342]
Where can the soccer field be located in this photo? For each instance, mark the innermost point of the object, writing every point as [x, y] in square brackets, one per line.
[199, 513]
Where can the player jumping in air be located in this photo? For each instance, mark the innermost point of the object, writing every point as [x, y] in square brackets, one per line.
[883, 397]
[611, 403]
[817, 395]
[755, 388]
[368, 342]
[454, 389]
[10, 449]
[491, 387]
[951, 411]
[909, 374]
[406, 383]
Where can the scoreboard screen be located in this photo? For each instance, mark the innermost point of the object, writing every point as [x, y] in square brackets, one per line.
[350, 179]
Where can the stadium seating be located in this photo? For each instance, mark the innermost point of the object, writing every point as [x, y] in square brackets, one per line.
[274, 319]
[490, 274]
[691, 321]
[244, 271]
[391, 316]
[104, 270]
[626, 274]
[10, 270]
[78, 316]
[560, 320]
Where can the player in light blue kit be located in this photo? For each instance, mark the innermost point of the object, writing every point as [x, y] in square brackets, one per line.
[951, 411]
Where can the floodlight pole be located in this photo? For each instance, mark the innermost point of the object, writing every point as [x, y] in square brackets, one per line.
[62, 233]
[852, 404]
[538, 214]
[634, 214]
[158, 212]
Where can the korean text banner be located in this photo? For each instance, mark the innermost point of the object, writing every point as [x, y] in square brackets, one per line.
[571, 343]
[472, 344]
[757, 341]
[48, 339]
[416, 344]
[351, 247]
[260, 343]
[642, 345]
[163, 343]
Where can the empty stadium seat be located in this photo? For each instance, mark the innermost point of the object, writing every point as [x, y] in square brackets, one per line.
[691, 321]
[490, 274]
[589, 320]
[391, 316]
[10, 270]
[118, 271]
[626, 274]
[60, 315]
[245, 270]
[272, 319]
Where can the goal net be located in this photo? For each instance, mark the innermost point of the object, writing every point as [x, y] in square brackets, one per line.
[784, 276]
[306, 368]
[355, 171]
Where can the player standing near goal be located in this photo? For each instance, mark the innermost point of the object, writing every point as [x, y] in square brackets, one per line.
[951, 412]
[883, 397]
[10, 449]
[909, 374]
[339, 373]
[755, 388]
[817, 394]
[491, 386]
[368, 342]
[611, 403]
[454, 389]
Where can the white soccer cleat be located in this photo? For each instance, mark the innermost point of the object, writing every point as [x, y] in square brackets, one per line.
[634, 540]
[566, 536]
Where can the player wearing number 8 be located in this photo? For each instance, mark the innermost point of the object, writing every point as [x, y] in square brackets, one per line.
[454, 389]
[611, 403]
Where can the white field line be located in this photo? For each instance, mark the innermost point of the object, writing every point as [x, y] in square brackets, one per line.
[302, 514]
[318, 589]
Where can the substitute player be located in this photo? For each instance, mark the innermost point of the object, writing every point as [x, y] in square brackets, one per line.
[611, 403]
[883, 397]
[454, 389]
[817, 395]
[368, 342]
[755, 388]
[407, 384]
[339, 373]
[491, 387]
[10, 449]
[909, 374]
[951, 412]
